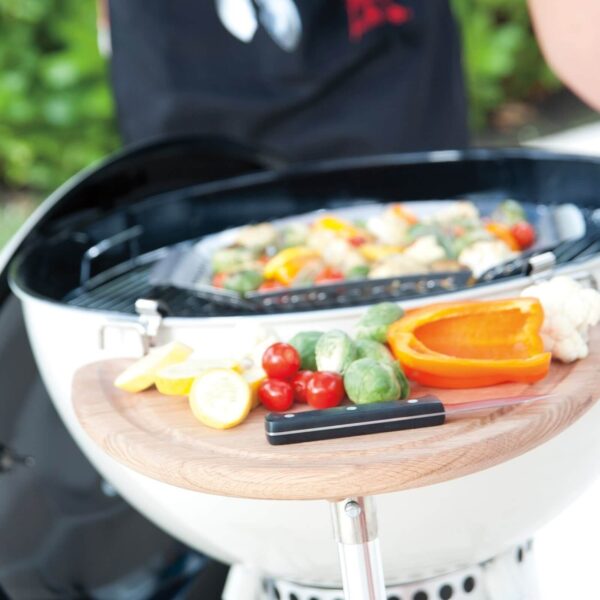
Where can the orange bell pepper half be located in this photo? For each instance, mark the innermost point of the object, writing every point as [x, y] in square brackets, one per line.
[472, 344]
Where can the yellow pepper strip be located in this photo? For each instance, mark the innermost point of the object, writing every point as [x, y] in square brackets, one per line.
[285, 265]
[340, 227]
[374, 252]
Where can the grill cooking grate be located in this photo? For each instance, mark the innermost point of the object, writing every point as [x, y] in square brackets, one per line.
[120, 294]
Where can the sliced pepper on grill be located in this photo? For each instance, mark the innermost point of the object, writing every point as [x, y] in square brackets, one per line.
[285, 265]
[472, 344]
[340, 227]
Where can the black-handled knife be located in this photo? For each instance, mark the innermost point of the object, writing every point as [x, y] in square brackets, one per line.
[345, 421]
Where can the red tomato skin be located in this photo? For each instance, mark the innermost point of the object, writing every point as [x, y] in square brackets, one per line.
[325, 389]
[524, 233]
[299, 383]
[329, 275]
[281, 361]
[276, 395]
[218, 280]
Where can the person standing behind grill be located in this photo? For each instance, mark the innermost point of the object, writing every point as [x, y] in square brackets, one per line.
[310, 79]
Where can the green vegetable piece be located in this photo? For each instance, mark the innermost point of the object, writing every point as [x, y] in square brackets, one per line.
[509, 212]
[376, 321]
[305, 342]
[294, 234]
[358, 272]
[367, 380]
[334, 351]
[366, 348]
[243, 281]
[229, 260]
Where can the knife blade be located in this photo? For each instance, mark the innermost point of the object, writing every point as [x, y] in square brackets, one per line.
[345, 421]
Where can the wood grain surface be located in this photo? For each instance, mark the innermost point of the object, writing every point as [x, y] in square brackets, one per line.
[157, 436]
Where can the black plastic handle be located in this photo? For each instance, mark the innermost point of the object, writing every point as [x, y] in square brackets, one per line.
[345, 421]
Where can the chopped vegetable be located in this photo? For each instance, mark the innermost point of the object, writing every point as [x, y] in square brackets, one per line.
[569, 311]
[425, 250]
[299, 383]
[142, 373]
[484, 255]
[295, 234]
[230, 260]
[257, 237]
[243, 281]
[368, 380]
[285, 265]
[366, 348]
[503, 233]
[396, 265]
[472, 344]
[339, 227]
[220, 398]
[276, 395]
[358, 272]
[305, 343]
[177, 379]
[324, 389]
[509, 212]
[281, 361]
[334, 351]
[375, 322]
[329, 275]
[524, 234]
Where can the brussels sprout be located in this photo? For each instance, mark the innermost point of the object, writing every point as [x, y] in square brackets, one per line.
[509, 212]
[305, 343]
[376, 321]
[358, 272]
[293, 235]
[243, 281]
[367, 380]
[229, 260]
[334, 351]
[371, 349]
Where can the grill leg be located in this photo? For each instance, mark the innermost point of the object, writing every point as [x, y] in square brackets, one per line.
[355, 525]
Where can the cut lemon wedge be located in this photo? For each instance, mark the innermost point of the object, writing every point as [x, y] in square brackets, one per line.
[177, 379]
[220, 398]
[142, 373]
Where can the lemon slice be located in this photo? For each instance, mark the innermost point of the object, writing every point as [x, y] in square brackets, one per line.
[177, 379]
[220, 398]
[142, 373]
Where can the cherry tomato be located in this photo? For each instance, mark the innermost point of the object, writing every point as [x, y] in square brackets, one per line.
[358, 240]
[325, 389]
[281, 361]
[218, 280]
[524, 233]
[276, 395]
[329, 275]
[299, 383]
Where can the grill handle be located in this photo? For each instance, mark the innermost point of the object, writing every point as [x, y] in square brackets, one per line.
[128, 236]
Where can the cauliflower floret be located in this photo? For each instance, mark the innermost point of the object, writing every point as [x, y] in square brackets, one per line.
[425, 250]
[457, 211]
[396, 265]
[342, 255]
[389, 227]
[257, 236]
[484, 255]
[569, 312]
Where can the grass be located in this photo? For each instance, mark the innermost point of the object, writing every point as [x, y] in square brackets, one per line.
[14, 210]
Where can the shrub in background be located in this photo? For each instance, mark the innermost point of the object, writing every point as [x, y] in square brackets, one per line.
[56, 112]
[501, 57]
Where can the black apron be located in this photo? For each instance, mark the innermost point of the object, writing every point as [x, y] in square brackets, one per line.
[327, 78]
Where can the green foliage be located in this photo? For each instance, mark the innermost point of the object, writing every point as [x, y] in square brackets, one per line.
[56, 112]
[501, 56]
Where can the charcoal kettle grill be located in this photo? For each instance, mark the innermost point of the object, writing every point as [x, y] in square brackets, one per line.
[82, 275]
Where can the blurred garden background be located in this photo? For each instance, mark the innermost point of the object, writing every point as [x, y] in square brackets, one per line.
[57, 115]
